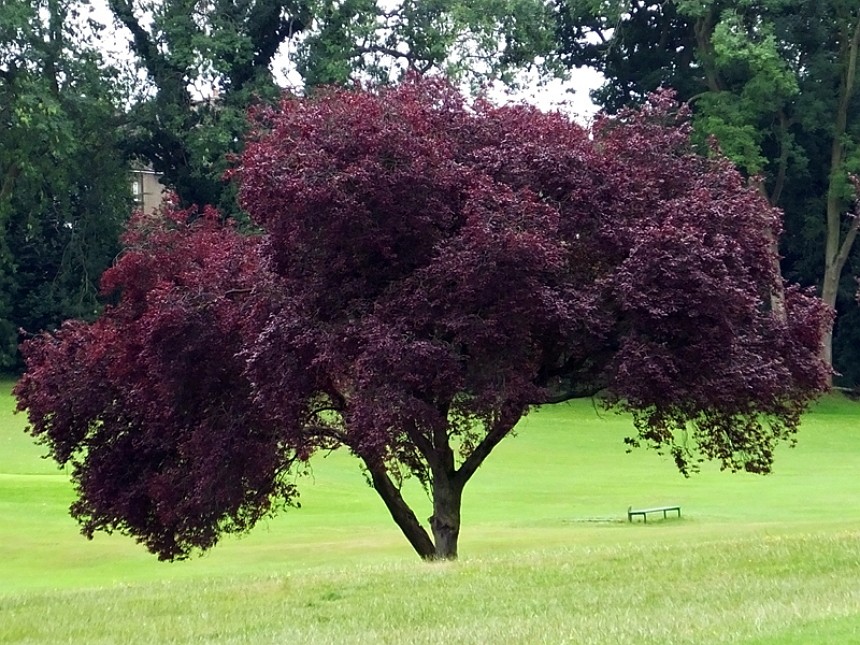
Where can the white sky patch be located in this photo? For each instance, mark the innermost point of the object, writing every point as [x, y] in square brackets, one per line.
[113, 41]
[569, 96]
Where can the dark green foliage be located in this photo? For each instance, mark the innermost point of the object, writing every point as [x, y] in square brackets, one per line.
[651, 45]
[472, 41]
[204, 67]
[206, 64]
[63, 186]
[68, 134]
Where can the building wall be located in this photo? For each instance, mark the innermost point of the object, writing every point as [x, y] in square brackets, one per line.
[146, 189]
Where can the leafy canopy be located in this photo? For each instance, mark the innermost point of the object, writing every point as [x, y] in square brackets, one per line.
[427, 271]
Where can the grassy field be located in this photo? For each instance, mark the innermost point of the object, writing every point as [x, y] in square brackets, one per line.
[547, 555]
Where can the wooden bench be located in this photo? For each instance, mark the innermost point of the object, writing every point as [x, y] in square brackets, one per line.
[644, 511]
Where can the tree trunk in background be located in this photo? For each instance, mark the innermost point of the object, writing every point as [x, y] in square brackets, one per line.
[837, 251]
[777, 296]
[838, 246]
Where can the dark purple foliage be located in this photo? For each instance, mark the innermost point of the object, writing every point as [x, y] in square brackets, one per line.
[428, 271]
[150, 403]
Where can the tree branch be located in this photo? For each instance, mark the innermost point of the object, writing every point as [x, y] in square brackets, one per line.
[267, 28]
[237, 292]
[847, 243]
[851, 234]
[388, 51]
[851, 72]
[399, 509]
[703, 29]
[157, 65]
[576, 378]
[501, 428]
[836, 251]
[423, 444]
[779, 184]
[326, 432]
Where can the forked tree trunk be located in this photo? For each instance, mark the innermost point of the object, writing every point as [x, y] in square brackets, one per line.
[447, 483]
[445, 521]
[400, 511]
[838, 248]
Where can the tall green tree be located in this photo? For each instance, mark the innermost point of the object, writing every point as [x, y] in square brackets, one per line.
[775, 81]
[203, 62]
[474, 41]
[64, 193]
[207, 61]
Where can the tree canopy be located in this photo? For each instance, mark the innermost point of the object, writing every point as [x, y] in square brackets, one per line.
[475, 41]
[203, 65]
[427, 270]
[72, 125]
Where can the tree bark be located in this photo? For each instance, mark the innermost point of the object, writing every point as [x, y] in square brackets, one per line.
[10, 176]
[703, 29]
[447, 483]
[445, 521]
[777, 296]
[838, 246]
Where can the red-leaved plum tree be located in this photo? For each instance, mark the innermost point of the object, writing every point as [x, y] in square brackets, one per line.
[427, 270]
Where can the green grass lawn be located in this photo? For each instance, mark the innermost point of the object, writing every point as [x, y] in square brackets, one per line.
[547, 555]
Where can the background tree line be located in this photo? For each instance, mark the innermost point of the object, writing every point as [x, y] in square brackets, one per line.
[774, 81]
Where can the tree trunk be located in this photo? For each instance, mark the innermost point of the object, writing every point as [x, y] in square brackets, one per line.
[447, 482]
[445, 521]
[836, 255]
[838, 247]
[777, 296]
[829, 290]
